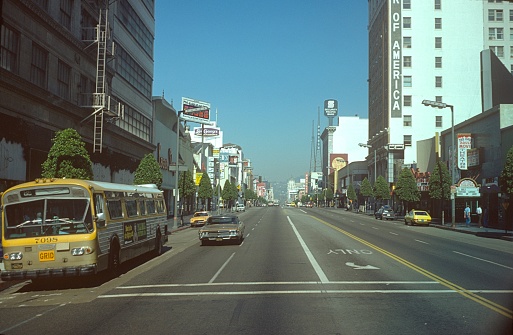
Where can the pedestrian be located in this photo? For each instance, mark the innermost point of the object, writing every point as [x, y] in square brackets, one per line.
[467, 216]
[479, 213]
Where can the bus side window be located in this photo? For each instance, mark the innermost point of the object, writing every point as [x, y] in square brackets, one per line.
[98, 207]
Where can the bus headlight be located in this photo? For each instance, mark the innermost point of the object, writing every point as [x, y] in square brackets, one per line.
[81, 251]
[14, 256]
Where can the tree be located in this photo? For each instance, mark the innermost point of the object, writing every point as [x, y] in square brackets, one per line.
[229, 193]
[506, 176]
[506, 180]
[148, 171]
[205, 190]
[440, 184]
[381, 189]
[329, 195]
[366, 189]
[351, 194]
[68, 157]
[406, 189]
[187, 186]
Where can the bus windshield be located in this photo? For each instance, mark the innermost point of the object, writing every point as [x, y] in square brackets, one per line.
[47, 217]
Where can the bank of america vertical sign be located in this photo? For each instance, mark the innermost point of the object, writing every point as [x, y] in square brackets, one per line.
[395, 57]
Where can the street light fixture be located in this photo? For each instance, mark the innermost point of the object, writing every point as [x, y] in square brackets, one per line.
[442, 105]
[363, 145]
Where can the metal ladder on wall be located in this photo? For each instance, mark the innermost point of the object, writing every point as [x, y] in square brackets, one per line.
[99, 97]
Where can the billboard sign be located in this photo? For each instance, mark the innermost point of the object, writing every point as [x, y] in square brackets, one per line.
[206, 131]
[464, 144]
[330, 107]
[196, 108]
[192, 118]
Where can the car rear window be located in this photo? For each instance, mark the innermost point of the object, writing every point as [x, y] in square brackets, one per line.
[420, 213]
[222, 220]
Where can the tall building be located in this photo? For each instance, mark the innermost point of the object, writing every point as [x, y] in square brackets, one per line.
[427, 50]
[83, 64]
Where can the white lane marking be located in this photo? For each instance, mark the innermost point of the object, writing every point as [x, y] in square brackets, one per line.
[309, 254]
[421, 241]
[393, 233]
[483, 260]
[361, 267]
[221, 269]
[375, 228]
[281, 283]
[320, 291]
[3, 331]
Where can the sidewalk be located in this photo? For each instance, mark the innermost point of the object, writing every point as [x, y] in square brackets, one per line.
[473, 229]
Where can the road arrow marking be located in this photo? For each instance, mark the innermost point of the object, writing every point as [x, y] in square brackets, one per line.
[361, 267]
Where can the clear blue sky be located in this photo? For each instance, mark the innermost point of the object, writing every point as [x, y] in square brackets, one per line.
[266, 66]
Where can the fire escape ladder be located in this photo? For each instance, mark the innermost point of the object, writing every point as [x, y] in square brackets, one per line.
[101, 63]
[98, 132]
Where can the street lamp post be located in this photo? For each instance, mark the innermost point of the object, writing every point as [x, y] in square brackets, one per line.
[177, 189]
[370, 146]
[441, 105]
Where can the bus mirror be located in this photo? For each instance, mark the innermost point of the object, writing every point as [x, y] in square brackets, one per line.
[100, 220]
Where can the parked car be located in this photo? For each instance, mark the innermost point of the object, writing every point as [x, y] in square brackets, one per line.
[386, 213]
[199, 218]
[222, 228]
[417, 216]
[240, 208]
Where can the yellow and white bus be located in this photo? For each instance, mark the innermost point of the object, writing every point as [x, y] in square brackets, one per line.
[71, 227]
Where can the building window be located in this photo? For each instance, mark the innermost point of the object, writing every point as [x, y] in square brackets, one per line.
[511, 67]
[438, 62]
[495, 15]
[9, 49]
[495, 33]
[406, 4]
[438, 23]
[63, 80]
[135, 123]
[407, 120]
[438, 81]
[406, 42]
[407, 61]
[438, 98]
[132, 72]
[65, 13]
[407, 81]
[511, 15]
[135, 26]
[438, 121]
[42, 3]
[438, 4]
[511, 51]
[39, 65]
[407, 22]
[407, 100]
[407, 140]
[438, 43]
[511, 34]
[498, 50]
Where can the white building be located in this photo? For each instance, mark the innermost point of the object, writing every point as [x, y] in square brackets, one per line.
[419, 50]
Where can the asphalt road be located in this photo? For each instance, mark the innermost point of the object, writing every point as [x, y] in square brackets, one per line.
[298, 271]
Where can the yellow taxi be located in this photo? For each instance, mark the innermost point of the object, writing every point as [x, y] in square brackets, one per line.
[199, 218]
[417, 217]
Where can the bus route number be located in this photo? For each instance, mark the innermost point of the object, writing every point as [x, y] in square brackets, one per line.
[46, 240]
